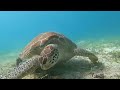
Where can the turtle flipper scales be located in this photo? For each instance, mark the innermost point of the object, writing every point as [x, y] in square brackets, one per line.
[23, 69]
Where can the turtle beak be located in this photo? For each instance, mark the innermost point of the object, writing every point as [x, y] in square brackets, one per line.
[45, 67]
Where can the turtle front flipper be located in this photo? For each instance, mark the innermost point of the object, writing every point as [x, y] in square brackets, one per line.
[85, 53]
[29, 66]
[47, 59]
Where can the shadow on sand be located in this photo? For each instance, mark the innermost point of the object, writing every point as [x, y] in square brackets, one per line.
[73, 69]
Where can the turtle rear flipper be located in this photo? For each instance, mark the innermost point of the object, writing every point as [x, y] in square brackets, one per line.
[85, 53]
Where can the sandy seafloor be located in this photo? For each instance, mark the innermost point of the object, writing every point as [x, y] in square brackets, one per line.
[107, 51]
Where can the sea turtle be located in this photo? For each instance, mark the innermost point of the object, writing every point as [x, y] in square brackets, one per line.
[45, 51]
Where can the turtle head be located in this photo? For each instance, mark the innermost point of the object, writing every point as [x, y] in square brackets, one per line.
[50, 56]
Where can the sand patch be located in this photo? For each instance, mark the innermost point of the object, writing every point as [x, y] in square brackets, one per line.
[80, 67]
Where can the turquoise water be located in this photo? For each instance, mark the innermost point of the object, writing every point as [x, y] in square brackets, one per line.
[18, 28]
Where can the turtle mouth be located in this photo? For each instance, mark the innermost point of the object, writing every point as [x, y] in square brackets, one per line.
[48, 65]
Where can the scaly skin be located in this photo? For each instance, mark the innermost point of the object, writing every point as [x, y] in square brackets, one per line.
[23, 69]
